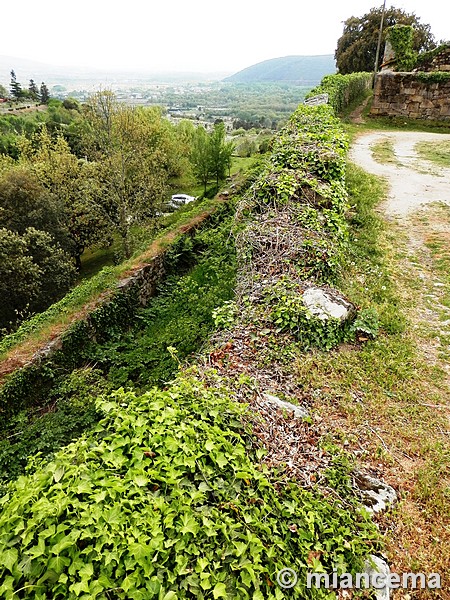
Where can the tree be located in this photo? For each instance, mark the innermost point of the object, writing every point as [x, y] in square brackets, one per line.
[34, 273]
[72, 190]
[135, 153]
[44, 94]
[15, 87]
[24, 203]
[200, 157]
[220, 152]
[3, 92]
[356, 48]
[33, 91]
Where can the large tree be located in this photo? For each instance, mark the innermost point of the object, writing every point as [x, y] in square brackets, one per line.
[211, 154]
[71, 186]
[136, 153]
[44, 94]
[15, 87]
[25, 202]
[200, 157]
[220, 152]
[356, 48]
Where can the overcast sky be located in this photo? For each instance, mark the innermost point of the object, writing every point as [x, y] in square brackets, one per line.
[186, 35]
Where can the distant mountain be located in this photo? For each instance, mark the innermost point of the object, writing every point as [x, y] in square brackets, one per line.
[306, 70]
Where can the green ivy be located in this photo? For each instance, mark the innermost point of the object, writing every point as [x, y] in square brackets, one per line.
[402, 38]
[433, 76]
[165, 502]
[343, 90]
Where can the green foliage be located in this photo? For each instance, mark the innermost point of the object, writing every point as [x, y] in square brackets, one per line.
[165, 502]
[289, 313]
[134, 152]
[15, 87]
[402, 39]
[44, 94]
[181, 316]
[224, 316]
[343, 90]
[69, 411]
[425, 58]
[25, 202]
[433, 77]
[34, 272]
[356, 48]
[366, 322]
[211, 155]
[130, 344]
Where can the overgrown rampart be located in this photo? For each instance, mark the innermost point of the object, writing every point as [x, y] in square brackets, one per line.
[343, 90]
[26, 381]
[174, 495]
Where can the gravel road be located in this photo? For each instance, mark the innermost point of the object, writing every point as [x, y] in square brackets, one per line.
[413, 181]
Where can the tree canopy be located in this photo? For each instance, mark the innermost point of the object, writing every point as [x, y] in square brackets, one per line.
[356, 48]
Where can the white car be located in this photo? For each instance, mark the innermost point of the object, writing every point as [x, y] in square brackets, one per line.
[181, 199]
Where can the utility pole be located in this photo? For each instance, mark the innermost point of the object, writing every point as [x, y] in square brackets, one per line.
[377, 55]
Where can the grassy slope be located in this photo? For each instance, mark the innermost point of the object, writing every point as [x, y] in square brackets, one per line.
[18, 347]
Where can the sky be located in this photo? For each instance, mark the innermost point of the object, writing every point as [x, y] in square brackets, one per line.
[186, 35]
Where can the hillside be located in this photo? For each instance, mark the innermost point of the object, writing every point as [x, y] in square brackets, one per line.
[248, 398]
[307, 70]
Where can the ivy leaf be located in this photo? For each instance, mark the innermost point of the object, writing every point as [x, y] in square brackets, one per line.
[140, 480]
[9, 558]
[58, 474]
[190, 525]
[220, 591]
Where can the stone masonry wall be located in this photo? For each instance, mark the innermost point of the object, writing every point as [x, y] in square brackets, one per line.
[408, 95]
[437, 62]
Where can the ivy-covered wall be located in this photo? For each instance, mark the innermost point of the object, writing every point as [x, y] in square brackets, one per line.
[418, 95]
[28, 387]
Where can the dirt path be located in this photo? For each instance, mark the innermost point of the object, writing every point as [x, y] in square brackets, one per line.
[418, 197]
[413, 182]
[418, 236]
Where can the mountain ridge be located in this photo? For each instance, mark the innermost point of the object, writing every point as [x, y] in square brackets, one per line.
[304, 69]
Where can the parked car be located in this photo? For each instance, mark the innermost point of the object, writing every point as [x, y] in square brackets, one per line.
[178, 200]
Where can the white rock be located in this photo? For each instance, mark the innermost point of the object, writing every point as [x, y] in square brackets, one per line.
[375, 566]
[326, 304]
[298, 411]
[377, 495]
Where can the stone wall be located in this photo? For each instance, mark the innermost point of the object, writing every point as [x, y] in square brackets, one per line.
[411, 95]
[436, 62]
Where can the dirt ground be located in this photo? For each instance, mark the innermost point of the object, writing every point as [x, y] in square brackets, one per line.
[414, 182]
[418, 210]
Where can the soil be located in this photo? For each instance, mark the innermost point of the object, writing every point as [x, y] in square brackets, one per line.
[414, 182]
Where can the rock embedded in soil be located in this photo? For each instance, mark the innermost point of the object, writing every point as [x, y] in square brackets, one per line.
[327, 304]
[377, 496]
[298, 411]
